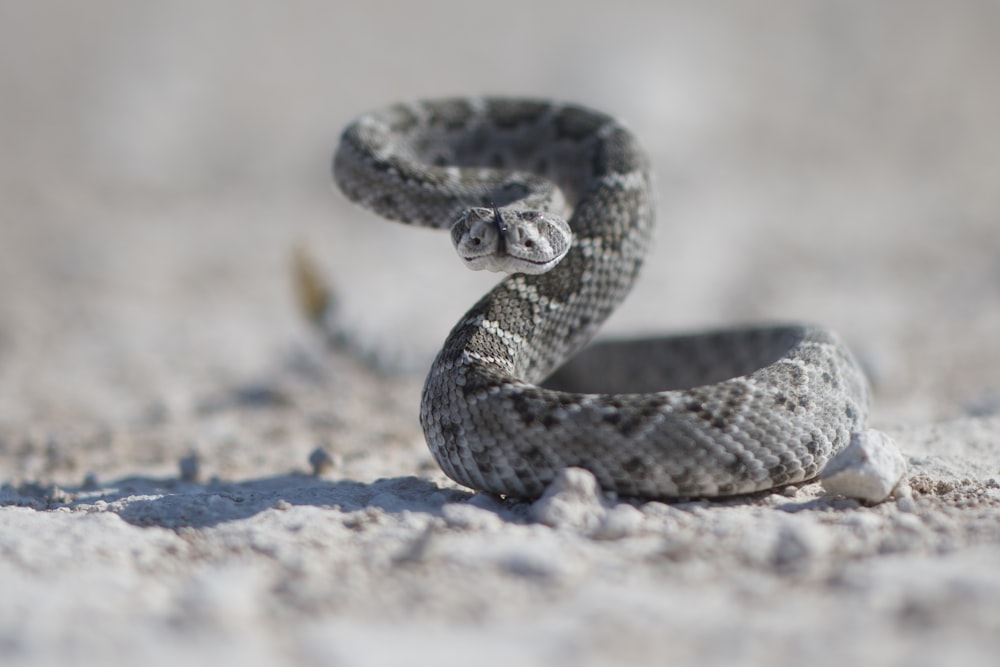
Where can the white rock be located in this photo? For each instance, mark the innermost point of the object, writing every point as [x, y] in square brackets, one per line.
[620, 521]
[868, 469]
[573, 499]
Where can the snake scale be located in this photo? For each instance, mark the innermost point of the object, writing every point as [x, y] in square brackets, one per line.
[559, 197]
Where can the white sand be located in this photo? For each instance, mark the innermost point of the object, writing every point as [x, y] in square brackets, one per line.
[835, 162]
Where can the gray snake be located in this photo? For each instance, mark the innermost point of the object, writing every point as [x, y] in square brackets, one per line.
[559, 197]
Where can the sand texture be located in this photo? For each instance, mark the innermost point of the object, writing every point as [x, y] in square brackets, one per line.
[161, 393]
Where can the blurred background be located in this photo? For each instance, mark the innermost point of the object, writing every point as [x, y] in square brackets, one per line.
[827, 161]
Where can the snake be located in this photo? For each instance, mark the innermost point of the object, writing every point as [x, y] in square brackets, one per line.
[559, 198]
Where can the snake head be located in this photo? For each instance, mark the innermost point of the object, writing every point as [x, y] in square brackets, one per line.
[510, 240]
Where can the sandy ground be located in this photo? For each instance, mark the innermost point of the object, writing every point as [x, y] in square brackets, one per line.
[835, 162]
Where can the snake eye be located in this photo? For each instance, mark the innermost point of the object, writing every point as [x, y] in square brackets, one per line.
[529, 244]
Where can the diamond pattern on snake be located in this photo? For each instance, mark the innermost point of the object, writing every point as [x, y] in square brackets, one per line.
[559, 197]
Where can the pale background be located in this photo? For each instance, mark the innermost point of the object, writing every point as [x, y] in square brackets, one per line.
[829, 161]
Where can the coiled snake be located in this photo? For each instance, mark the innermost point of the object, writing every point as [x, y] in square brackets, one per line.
[559, 197]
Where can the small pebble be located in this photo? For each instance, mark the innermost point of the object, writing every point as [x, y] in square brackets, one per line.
[619, 522]
[320, 460]
[868, 470]
[904, 498]
[573, 499]
[190, 467]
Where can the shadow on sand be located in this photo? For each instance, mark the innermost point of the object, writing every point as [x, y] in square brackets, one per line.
[174, 503]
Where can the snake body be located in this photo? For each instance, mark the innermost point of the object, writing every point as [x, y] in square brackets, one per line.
[713, 414]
